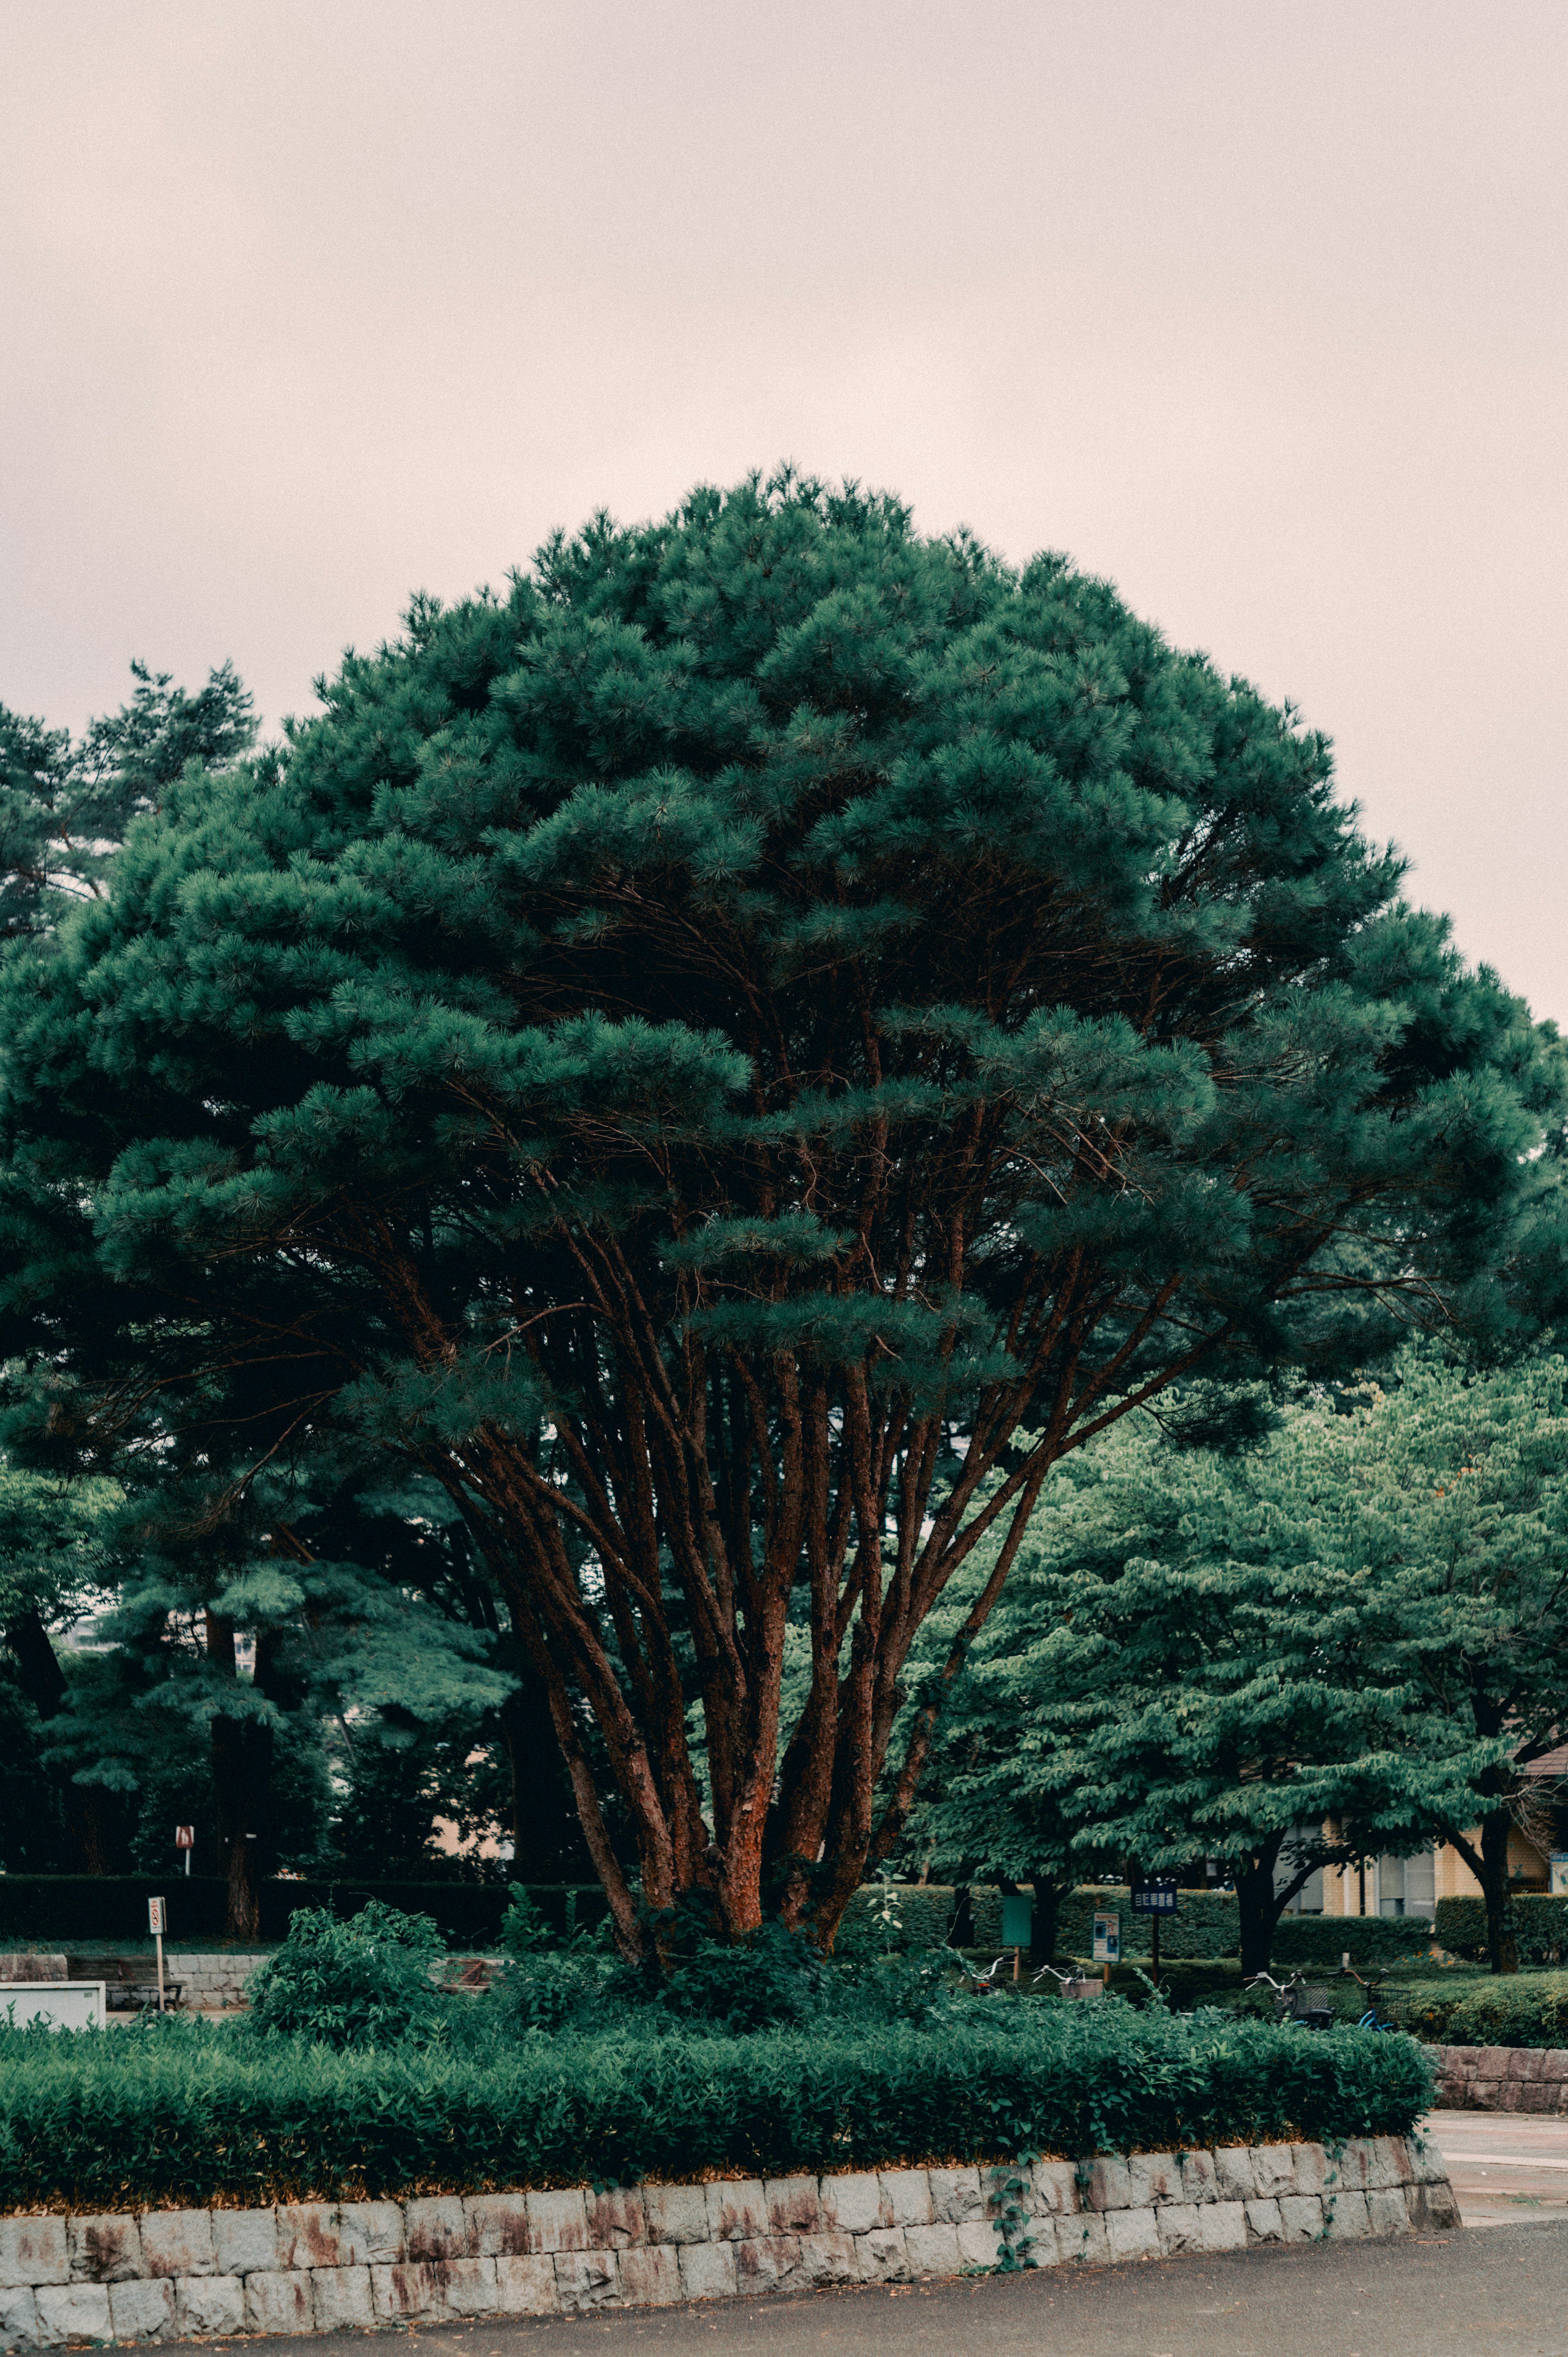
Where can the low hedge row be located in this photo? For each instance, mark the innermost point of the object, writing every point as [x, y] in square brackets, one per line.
[89, 1906]
[181, 2112]
[1205, 1923]
[1540, 1927]
[1321, 1940]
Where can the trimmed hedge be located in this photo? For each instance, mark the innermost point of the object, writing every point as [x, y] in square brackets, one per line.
[900, 1917]
[1207, 1924]
[96, 1907]
[182, 2112]
[1541, 1926]
[1321, 1940]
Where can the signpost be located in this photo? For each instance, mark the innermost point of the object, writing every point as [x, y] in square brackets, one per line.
[1018, 1925]
[157, 1911]
[1155, 1898]
[185, 1839]
[1106, 1948]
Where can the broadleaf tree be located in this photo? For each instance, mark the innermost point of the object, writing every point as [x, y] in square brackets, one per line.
[733, 1059]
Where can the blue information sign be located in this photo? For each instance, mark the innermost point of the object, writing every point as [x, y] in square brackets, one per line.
[1154, 1899]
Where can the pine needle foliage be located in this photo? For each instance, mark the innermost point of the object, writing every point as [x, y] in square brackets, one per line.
[733, 1059]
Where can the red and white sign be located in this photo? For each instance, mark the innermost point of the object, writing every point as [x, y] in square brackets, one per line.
[155, 1914]
[185, 1836]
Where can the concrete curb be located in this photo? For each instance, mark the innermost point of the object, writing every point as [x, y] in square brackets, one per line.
[316, 2266]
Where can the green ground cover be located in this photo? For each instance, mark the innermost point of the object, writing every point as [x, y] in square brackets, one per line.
[186, 2112]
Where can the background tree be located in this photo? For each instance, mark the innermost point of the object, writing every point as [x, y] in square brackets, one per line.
[65, 806]
[733, 1062]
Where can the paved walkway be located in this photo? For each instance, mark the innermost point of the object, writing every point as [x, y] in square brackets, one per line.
[1506, 2168]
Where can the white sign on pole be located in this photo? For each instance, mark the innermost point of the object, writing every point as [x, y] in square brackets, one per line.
[1107, 1948]
[157, 1909]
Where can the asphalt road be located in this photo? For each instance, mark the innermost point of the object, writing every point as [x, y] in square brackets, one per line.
[1506, 2168]
[1456, 2295]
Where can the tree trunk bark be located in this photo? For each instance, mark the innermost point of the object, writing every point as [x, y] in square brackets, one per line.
[1502, 1937]
[242, 1772]
[1047, 1904]
[547, 1834]
[1258, 1906]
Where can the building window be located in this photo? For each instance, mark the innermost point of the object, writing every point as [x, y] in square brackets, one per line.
[1407, 1886]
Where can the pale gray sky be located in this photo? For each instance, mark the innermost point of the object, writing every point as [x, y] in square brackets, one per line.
[1259, 308]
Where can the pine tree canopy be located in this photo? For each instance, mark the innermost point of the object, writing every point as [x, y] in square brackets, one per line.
[732, 1059]
[65, 807]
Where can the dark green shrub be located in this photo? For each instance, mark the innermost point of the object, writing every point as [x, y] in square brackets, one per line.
[191, 2111]
[897, 1918]
[363, 1983]
[68, 1908]
[1317, 1941]
[1205, 1923]
[1510, 2009]
[1541, 1926]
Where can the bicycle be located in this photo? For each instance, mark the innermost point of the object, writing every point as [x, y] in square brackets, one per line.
[1371, 2019]
[1289, 1999]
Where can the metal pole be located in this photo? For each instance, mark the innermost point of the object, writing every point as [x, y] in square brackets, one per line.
[160, 1940]
[1154, 1975]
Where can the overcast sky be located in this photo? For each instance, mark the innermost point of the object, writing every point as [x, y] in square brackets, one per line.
[1258, 308]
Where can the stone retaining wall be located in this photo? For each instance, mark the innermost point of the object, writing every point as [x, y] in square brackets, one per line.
[316, 2266]
[1502, 2078]
[211, 1980]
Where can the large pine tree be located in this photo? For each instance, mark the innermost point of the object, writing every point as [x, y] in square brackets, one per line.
[732, 1059]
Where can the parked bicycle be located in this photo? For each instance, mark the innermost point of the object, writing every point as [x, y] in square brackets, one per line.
[1298, 1999]
[1371, 2019]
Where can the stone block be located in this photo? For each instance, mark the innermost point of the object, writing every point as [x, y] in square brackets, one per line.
[616, 2219]
[414, 2288]
[1352, 2167]
[279, 2301]
[1385, 2163]
[244, 2242]
[1540, 2095]
[737, 2211]
[1554, 2063]
[1386, 2212]
[649, 2276]
[905, 2196]
[214, 2304]
[18, 2317]
[1084, 2238]
[956, 2196]
[978, 2242]
[177, 2243]
[558, 2220]
[109, 2250]
[1222, 2225]
[586, 2279]
[307, 2234]
[467, 2286]
[369, 2234]
[498, 2225]
[676, 2213]
[852, 2204]
[1265, 2223]
[1199, 2178]
[1179, 2227]
[1273, 2169]
[794, 2205]
[436, 2227]
[1314, 2169]
[1233, 2173]
[1131, 2234]
[1488, 2063]
[707, 2270]
[1154, 2178]
[74, 2311]
[1345, 2216]
[341, 2296]
[1509, 2094]
[933, 2250]
[1301, 2217]
[32, 2251]
[1431, 2206]
[832, 2259]
[882, 2256]
[1110, 2185]
[1525, 2061]
[142, 2311]
[1054, 2189]
[773, 2263]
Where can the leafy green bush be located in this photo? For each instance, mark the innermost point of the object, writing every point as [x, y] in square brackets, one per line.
[363, 1983]
[185, 2112]
[1319, 1940]
[1540, 1925]
[1205, 1923]
[1505, 2009]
